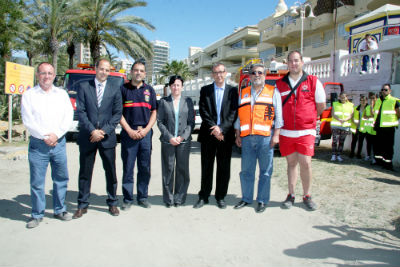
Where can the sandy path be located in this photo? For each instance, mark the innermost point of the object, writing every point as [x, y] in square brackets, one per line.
[177, 236]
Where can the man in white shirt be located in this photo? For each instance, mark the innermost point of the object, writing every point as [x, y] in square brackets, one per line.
[369, 44]
[47, 114]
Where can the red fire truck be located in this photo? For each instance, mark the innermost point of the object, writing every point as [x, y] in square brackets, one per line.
[73, 77]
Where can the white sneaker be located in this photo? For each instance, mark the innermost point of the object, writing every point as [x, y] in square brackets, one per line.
[339, 158]
[367, 158]
[333, 158]
[373, 161]
[363, 72]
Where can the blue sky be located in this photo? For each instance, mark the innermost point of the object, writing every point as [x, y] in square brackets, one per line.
[184, 23]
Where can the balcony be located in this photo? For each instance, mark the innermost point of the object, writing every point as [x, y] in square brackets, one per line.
[293, 30]
[374, 4]
[319, 50]
[206, 61]
[274, 35]
[247, 33]
[345, 13]
[323, 21]
[238, 53]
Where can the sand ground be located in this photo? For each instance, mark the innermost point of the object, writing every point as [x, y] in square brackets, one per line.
[181, 236]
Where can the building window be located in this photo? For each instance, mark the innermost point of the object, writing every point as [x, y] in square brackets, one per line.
[342, 31]
[237, 45]
[267, 54]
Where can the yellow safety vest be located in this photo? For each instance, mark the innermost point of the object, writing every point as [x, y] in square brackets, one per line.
[369, 123]
[342, 111]
[388, 113]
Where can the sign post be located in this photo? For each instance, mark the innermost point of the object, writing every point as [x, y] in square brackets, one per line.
[19, 78]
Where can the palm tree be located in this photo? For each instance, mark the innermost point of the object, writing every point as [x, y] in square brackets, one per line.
[10, 15]
[175, 68]
[103, 25]
[51, 18]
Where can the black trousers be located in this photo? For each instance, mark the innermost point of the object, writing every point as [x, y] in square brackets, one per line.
[370, 143]
[87, 158]
[222, 150]
[357, 137]
[384, 143]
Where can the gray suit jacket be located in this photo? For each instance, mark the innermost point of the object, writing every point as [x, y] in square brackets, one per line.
[91, 116]
[166, 118]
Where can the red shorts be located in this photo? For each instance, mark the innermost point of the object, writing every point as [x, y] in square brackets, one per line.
[303, 145]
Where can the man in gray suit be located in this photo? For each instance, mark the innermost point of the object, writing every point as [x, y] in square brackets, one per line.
[99, 109]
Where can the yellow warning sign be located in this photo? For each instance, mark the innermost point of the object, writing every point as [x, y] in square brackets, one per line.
[19, 78]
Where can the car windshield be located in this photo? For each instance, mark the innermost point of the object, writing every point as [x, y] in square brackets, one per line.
[73, 79]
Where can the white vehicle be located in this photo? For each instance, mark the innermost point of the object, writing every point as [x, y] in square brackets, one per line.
[198, 119]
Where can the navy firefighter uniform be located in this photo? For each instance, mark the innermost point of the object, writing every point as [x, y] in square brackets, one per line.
[138, 103]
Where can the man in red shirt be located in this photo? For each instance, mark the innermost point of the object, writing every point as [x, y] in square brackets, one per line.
[303, 99]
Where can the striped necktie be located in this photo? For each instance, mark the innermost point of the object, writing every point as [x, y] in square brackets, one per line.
[100, 92]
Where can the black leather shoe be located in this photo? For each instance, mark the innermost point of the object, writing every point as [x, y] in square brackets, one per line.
[241, 204]
[260, 207]
[200, 204]
[144, 204]
[221, 204]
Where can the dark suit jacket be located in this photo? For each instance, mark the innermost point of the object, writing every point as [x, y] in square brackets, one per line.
[166, 118]
[92, 117]
[208, 112]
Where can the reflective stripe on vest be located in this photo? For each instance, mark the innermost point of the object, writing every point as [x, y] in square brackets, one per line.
[369, 124]
[256, 120]
[342, 111]
[388, 113]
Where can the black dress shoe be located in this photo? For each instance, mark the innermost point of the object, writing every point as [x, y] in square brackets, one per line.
[144, 204]
[241, 204]
[200, 204]
[260, 207]
[221, 204]
[168, 205]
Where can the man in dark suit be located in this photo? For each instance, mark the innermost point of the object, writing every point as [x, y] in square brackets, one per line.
[99, 109]
[218, 110]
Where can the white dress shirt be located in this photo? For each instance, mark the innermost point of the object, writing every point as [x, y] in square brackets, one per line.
[103, 86]
[219, 95]
[46, 112]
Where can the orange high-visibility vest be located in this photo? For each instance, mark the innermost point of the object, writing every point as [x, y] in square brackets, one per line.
[259, 120]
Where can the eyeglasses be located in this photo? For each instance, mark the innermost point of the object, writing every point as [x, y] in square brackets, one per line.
[218, 72]
[385, 89]
[44, 73]
[257, 72]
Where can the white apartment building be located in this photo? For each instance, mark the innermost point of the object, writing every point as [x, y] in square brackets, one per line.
[160, 58]
[124, 65]
[281, 33]
[82, 53]
[232, 50]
